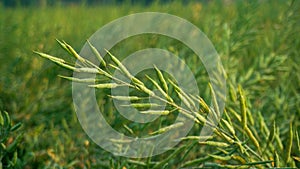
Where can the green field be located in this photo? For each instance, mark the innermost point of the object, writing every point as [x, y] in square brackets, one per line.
[258, 43]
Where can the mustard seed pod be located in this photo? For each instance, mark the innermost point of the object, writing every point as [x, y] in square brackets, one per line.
[97, 54]
[168, 128]
[126, 98]
[214, 143]
[156, 112]
[106, 85]
[252, 137]
[1, 119]
[289, 143]
[243, 107]
[161, 79]
[120, 65]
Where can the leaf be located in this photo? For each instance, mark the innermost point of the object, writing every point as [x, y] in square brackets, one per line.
[166, 160]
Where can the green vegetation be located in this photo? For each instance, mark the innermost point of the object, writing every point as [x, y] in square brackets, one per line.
[9, 144]
[259, 45]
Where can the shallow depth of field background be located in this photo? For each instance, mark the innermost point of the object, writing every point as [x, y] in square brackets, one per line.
[258, 42]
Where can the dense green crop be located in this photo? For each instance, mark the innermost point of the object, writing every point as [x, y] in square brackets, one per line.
[259, 45]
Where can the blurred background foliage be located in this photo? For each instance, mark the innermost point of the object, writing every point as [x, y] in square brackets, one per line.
[258, 42]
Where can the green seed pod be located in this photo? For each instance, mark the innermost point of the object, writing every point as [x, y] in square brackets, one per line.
[289, 143]
[3, 146]
[121, 66]
[243, 107]
[145, 89]
[161, 79]
[1, 119]
[214, 101]
[15, 158]
[86, 80]
[144, 105]
[183, 99]
[106, 85]
[222, 158]
[229, 126]
[16, 127]
[62, 44]
[196, 137]
[168, 128]
[87, 70]
[74, 53]
[156, 112]
[52, 58]
[126, 98]
[160, 89]
[272, 133]
[214, 143]
[297, 140]
[239, 158]
[251, 136]
[7, 119]
[276, 160]
[97, 54]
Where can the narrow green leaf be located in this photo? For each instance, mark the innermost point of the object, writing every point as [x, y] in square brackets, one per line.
[195, 161]
[166, 160]
[14, 144]
[15, 158]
